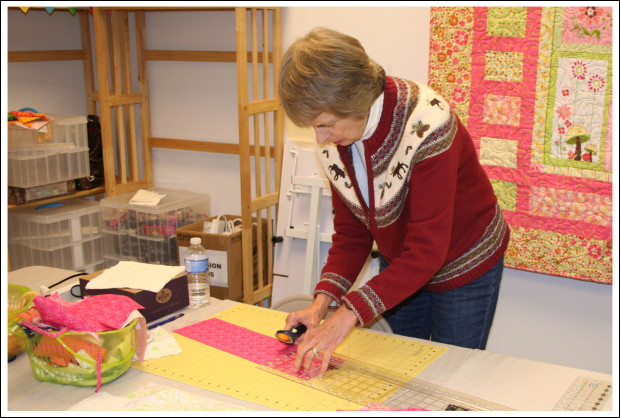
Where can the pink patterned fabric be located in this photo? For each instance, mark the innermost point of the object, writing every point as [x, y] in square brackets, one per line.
[93, 314]
[376, 406]
[233, 339]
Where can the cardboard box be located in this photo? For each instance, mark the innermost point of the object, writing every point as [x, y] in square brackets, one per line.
[225, 257]
[21, 195]
[171, 298]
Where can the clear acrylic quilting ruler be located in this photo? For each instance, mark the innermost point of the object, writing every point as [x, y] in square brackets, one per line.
[585, 394]
[368, 385]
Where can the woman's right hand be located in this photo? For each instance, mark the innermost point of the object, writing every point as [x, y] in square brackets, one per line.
[311, 316]
[327, 335]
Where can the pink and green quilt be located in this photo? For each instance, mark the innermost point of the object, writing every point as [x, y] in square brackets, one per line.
[534, 87]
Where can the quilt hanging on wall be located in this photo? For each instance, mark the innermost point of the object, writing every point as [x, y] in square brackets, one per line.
[533, 86]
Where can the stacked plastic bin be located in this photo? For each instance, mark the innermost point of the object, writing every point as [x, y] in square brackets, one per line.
[147, 234]
[45, 164]
[65, 235]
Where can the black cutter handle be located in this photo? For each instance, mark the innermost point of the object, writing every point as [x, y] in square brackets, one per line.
[289, 337]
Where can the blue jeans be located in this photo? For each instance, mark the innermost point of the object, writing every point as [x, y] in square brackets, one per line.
[461, 316]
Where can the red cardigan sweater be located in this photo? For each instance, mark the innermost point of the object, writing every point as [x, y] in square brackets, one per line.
[435, 217]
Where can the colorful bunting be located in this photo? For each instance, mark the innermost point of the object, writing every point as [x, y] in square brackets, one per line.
[50, 10]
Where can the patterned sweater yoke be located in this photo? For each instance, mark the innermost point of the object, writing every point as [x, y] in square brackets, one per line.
[422, 126]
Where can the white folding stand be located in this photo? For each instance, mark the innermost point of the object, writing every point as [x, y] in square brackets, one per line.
[305, 224]
[312, 235]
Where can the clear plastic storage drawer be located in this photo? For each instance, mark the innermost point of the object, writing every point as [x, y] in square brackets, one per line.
[33, 159]
[67, 129]
[55, 225]
[178, 208]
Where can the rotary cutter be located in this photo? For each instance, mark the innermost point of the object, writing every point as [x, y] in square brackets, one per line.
[289, 337]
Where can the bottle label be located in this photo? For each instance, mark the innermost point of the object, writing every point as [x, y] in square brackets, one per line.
[196, 266]
[199, 294]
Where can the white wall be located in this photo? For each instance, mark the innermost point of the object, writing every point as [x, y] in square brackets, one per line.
[194, 100]
[540, 317]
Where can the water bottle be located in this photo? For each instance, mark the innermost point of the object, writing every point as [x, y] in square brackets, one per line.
[196, 265]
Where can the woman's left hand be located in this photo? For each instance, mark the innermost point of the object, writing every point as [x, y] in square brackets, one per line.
[325, 338]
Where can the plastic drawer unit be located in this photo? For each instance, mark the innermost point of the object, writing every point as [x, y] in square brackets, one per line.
[35, 158]
[64, 235]
[148, 233]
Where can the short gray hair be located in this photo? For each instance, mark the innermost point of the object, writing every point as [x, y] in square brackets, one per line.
[327, 71]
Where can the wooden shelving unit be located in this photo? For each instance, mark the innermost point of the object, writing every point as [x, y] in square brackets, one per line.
[97, 191]
[260, 120]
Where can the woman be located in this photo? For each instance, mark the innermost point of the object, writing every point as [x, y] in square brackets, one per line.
[405, 174]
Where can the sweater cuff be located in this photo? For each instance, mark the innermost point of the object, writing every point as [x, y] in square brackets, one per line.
[332, 285]
[352, 308]
[359, 307]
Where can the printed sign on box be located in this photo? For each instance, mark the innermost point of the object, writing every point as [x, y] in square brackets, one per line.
[225, 257]
[218, 266]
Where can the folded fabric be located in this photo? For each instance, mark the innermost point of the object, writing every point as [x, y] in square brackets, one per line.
[94, 314]
[160, 343]
[142, 331]
[56, 353]
[135, 275]
[27, 119]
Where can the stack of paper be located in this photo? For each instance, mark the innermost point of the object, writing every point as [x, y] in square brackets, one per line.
[146, 197]
[135, 275]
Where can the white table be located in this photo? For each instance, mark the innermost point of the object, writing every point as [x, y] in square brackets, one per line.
[520, 384]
